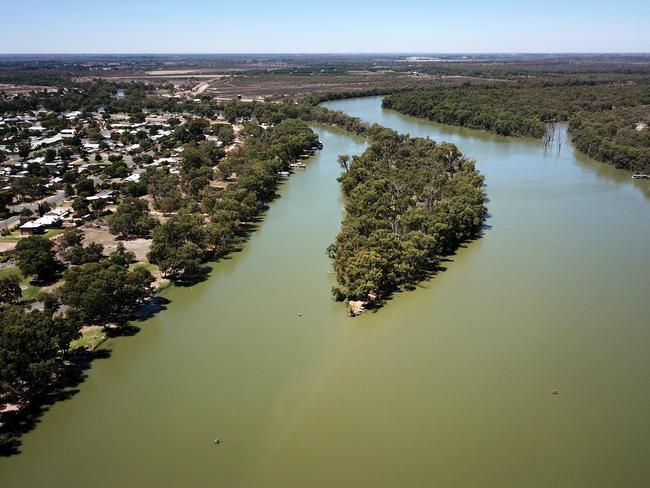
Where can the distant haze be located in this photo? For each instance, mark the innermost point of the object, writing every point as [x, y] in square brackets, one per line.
[203, 26]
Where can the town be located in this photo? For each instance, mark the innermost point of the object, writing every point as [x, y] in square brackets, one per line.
[153, 190]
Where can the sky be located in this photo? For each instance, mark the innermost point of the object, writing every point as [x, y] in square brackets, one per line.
[330, 26]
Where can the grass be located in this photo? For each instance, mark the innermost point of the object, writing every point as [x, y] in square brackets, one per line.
[152, 268]
[90, 339]
[4, 272]
[53, 232]
[30, 292]
[15, 235]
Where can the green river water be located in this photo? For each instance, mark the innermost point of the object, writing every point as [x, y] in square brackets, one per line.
[449, 385]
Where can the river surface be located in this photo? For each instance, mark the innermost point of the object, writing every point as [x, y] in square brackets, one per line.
[449, 385]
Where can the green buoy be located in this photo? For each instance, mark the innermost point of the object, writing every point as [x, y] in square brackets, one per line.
[216, 440]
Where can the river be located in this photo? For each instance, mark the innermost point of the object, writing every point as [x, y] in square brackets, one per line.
[447, 385]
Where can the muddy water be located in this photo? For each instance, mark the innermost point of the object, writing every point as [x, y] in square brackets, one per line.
[448, 385]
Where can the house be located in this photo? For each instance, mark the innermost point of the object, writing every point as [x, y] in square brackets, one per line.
[47, 141]
[102, 195]
[31, 228]
[38, 226]
[91, 147]
[135, 177]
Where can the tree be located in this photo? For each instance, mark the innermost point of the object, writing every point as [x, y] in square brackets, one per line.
[50, 155]
[43, 208]
[10, 291]
[132, 218]
[71, 237]
[69, 190]
[29, 187]
[27, 351]
[178, 245]
[26, 215]
[65, 153]
[195, 161]
[163, 188]
[6, 198]
[35, 256]
[79, 254]
[98, 206]
[31, 344]
[105, 292]
[344, 161]
[80, 206]
[85, 187]
[24, 148]
[121, 256]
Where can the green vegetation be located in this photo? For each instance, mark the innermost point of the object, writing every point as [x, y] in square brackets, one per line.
[72, 248]
[408, 202]
[90, 338]
[34, 344]
[10, 291]
[214, 220]
[104, 292]
[620, 136]
[29, 290]
[132, 219]
[602, 116]
[30, 345]
[35, 256]
[15, 235]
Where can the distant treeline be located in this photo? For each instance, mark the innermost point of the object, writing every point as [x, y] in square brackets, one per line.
[603, 116]
[89, 97]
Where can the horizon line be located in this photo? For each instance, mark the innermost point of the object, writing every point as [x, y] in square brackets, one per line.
[351, 53]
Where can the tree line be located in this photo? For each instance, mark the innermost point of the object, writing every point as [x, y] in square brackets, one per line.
[603, 116]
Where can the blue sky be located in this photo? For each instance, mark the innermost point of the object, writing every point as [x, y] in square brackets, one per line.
[203, 26]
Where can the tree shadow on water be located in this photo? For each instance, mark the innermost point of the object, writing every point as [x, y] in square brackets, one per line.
[192, 278]
[153, 307]
[72, 374]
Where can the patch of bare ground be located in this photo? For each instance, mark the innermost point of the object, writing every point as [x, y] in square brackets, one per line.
[98, 232]
[356, 307]
[7, 246]
[219, 184]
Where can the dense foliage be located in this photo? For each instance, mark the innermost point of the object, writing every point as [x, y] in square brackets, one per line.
[214, 219]
[408, 201]
[620, 136]
[132, 219]
[30, 348]
[35, 256]
[105, 292]
[603, 116]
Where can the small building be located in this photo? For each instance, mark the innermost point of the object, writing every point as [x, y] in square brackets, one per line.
[135, 177]
[102, 195]
[39, 225]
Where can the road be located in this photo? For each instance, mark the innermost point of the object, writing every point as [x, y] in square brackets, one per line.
[53, 200]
